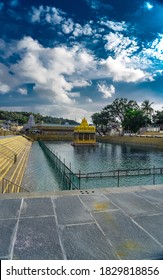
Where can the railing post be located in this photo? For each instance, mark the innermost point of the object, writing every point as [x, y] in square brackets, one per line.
[64, 177]
[153, 175]
[118, 179]
[70, 188]
[79, 179]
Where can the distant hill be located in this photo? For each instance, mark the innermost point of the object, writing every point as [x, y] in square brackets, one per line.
[22, 118]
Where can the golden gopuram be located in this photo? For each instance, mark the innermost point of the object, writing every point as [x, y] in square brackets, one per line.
[84, 134]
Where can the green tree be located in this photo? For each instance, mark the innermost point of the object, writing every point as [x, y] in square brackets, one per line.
[119, 107]
[113, 114]
[96, 118]
[134, 119]
[158, 117]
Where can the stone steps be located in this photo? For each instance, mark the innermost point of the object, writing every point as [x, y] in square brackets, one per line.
[9, 169]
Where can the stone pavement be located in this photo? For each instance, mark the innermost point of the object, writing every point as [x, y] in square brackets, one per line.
[118, 223]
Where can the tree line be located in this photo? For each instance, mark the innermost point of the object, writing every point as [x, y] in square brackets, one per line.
[22, 118]
[127, 114]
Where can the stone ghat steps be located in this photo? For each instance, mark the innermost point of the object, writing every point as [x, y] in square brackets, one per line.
[10, 150]
[11, 170]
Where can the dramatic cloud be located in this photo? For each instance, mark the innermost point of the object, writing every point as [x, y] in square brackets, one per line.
[107, 91]
[51, 69]
[73, 56]
[119, 72]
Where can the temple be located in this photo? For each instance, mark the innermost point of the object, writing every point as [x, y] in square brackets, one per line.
[84, 134]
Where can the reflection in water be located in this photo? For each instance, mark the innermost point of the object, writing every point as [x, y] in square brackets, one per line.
[41, 175]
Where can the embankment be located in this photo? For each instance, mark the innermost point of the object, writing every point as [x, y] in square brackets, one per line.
[134, 140]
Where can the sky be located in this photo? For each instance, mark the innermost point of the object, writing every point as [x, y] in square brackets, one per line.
[70, 59]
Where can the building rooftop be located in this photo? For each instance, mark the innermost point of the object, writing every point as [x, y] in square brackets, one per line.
[118, 223]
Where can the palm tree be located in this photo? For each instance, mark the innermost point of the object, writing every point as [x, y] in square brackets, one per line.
[146, 107]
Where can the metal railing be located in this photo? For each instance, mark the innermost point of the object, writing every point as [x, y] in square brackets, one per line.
[79, 180]
[119, 173]
[11, 187]
[69, 179]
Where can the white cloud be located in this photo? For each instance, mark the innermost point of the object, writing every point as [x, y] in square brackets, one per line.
[87, 30]
[74, 94]
[81, 83]
[107, 91]
[54, 71]
[154, 49]
[29, 44]
[114, 25]
[118, 71]
[36, 14]
[56, 16]
[49, 14]
[23, 91]
[120, 44]
[4, 88]
[78, 30]
[85, 59]
[126, 63]
[31, 68]
[68, 26]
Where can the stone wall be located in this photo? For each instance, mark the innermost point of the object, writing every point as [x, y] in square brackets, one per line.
[135, 140]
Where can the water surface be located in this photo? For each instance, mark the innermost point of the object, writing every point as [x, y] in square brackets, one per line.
[42, 175]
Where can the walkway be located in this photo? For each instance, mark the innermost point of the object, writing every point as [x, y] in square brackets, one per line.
[118, 223]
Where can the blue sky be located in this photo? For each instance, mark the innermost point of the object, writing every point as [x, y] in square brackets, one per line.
[71, 58]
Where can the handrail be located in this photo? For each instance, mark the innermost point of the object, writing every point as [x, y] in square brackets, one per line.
[11, 187]
[122, 172]
[9, 149]
[65, 171]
